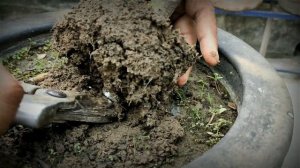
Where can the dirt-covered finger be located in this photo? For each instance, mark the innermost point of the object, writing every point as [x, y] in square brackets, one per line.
[182, 80]
[203, 14]
[209, 50]
[186, 27]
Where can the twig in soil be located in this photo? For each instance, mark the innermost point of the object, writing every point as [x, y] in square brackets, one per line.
[216, 79]
[211, 119]
[90, 62]
[148, 83]
[214, 113]
[217, 88]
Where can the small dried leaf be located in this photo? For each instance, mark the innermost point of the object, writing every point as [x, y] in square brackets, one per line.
[232, 105]
[39, 77]
[41, 56]
[210, 133]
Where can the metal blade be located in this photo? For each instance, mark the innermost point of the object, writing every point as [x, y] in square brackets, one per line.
[98, 116]
[88, 109]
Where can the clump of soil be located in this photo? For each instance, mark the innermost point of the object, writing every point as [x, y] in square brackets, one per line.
[124, 48]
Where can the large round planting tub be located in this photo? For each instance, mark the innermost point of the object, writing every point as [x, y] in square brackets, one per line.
[261, 134]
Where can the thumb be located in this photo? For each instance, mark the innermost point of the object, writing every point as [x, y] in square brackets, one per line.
[11, 93]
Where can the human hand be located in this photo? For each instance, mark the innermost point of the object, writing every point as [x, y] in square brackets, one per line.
[196, 20]
[11, 94]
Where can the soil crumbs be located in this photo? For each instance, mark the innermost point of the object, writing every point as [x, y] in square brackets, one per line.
[125, 49]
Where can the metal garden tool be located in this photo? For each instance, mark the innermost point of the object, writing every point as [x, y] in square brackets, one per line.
[41, 107]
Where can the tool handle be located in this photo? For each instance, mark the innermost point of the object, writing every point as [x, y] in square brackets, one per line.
[38, 107]
[35, 112]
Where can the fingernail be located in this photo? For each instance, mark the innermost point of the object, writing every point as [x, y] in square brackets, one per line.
[215, 54]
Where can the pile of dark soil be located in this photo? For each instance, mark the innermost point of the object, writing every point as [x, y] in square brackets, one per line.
[146, 138]
[124, 48]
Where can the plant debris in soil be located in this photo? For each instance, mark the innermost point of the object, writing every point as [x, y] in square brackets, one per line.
[124, 48]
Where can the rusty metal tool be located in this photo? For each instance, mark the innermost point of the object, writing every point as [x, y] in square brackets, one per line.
[41, 107]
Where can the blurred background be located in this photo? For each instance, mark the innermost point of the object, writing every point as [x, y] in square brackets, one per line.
[272, 27]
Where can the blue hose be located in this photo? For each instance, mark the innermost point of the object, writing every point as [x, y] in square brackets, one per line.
[261, 14]
[288, 71]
